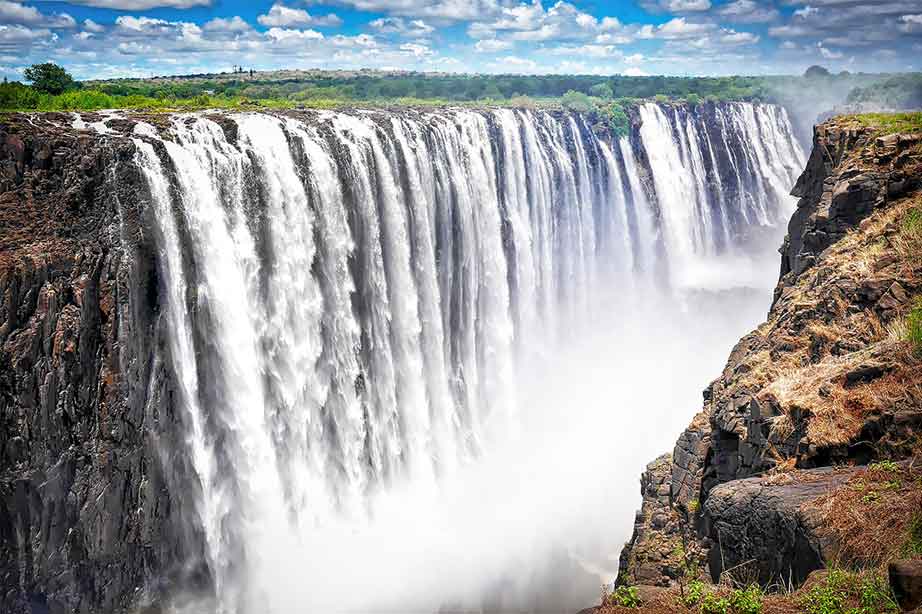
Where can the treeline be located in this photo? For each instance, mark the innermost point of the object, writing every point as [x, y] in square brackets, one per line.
[53, 89]
[444, 87]
[900, 92]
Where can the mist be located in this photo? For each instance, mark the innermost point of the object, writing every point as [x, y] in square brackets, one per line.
[536, 523]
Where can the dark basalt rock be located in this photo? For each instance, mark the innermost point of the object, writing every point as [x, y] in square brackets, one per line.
[92, 517]
[906, 582]
[761, 528]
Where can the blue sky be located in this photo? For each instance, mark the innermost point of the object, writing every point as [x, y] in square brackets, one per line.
[114, 38]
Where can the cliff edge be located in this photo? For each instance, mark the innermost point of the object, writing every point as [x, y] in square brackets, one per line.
[806, 451]
[87, 425]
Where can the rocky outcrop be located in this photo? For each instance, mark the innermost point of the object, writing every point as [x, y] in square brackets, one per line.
[764, 528]
[654, 558]
[90, 514]
[846, 179]
[828, 378]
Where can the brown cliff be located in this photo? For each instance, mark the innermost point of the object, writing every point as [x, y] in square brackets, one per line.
[87, 523]
[828, 380]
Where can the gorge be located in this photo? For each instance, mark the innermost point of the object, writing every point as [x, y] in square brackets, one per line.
[276, 361]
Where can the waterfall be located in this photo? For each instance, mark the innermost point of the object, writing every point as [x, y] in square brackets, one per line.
[353, 297]
[707, 204]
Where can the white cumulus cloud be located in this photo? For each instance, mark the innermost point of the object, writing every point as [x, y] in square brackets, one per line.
[286, 17]
[492, 45]
[16, 13]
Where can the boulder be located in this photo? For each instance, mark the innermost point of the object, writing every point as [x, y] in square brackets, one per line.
[906, 583]
[761, 527]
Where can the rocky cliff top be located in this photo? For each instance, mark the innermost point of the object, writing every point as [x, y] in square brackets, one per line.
[831, 379]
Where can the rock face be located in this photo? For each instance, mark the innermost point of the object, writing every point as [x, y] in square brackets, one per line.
[906, 580]
[762, 528]
[653, 561]
[827, 379]
[86, 515]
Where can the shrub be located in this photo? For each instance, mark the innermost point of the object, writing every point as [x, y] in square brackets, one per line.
[19, 96]
[695, 592]
[618, 120]
[712, 604]
[625, 597]
[747, 600]
[578, 102]
[885, 465]
[661, 98]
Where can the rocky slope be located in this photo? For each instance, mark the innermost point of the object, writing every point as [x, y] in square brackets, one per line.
[828, 382]
[87, 523]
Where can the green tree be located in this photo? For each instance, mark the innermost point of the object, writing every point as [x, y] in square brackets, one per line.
[50, 78]
[816, 71]
[577, 101]
[618, 120]
[602, 90]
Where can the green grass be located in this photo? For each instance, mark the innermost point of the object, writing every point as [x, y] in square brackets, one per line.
[913, 545]
[892, 122]
[914, 326]
[747, 600]
[849, 593]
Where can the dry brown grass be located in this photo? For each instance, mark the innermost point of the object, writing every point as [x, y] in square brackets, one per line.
[836, 411]
[760, 369]
[806, 377]
[871, 515]
[908, 241]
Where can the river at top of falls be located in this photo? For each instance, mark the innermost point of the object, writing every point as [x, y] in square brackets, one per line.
[413, 350]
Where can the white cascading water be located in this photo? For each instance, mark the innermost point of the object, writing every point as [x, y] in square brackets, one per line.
[359, 304]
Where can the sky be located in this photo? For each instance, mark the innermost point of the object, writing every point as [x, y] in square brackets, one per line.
[137, 38]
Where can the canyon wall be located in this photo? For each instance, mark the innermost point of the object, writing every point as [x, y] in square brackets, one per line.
[90, 513]
[827, 382]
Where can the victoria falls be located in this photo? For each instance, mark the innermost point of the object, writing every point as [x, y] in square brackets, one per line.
[314, 334]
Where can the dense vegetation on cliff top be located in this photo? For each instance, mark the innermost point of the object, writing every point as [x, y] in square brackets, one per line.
[329, 89]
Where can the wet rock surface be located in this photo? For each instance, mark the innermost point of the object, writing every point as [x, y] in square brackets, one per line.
[89, 519]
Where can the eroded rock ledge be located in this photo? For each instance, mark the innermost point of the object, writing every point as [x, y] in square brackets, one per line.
[827, 380]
